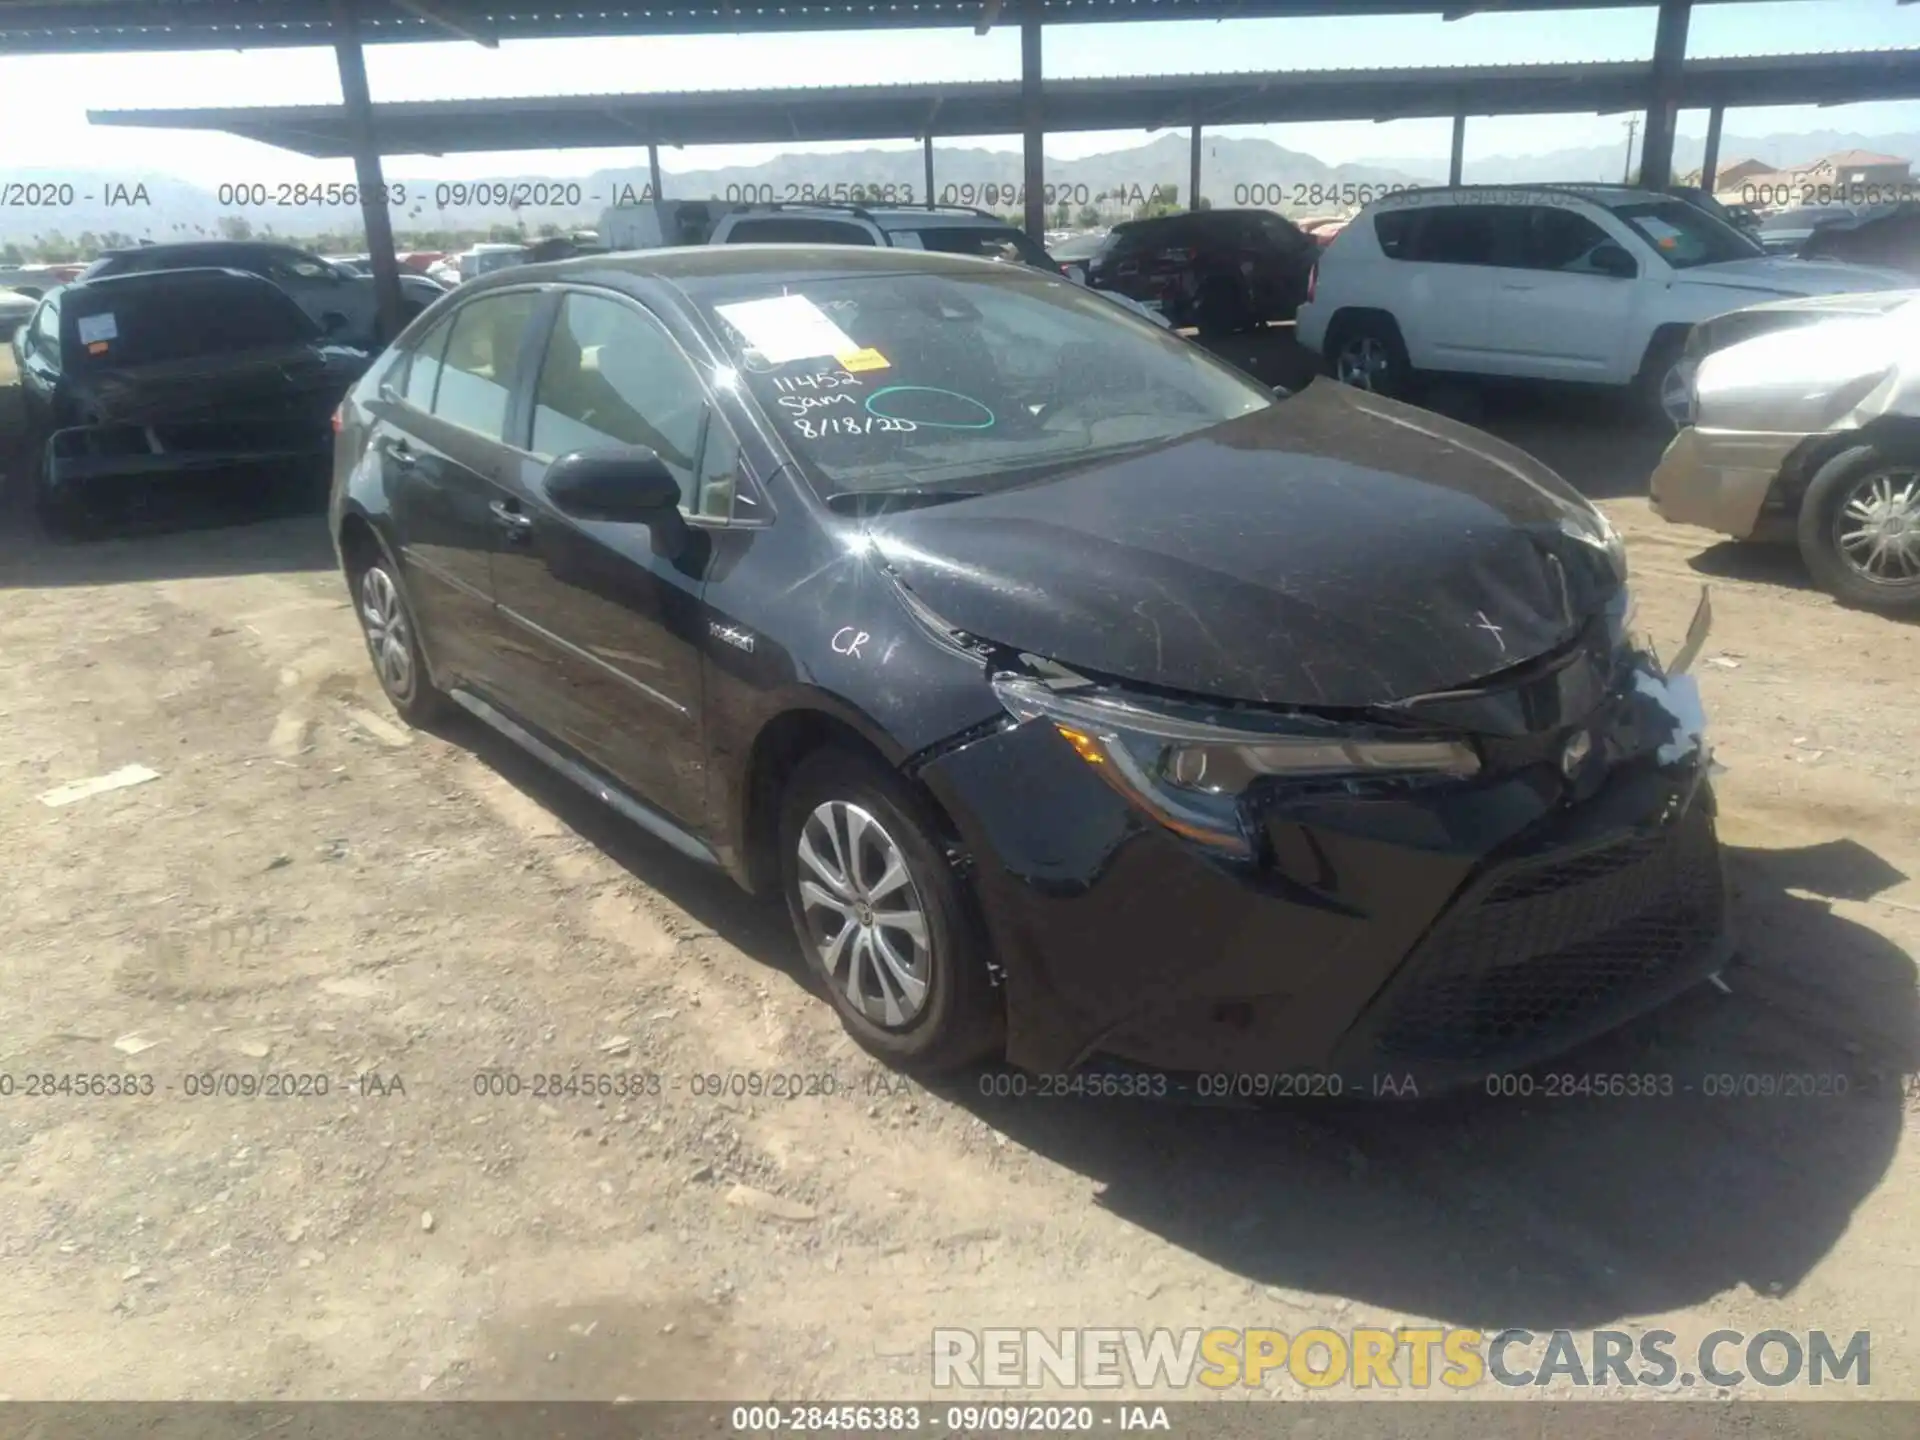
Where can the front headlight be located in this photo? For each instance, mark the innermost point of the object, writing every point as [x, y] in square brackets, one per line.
[1189, 773]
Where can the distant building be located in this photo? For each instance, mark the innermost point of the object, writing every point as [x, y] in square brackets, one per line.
[1729, 176]
[1856, 176]
[1859, 167]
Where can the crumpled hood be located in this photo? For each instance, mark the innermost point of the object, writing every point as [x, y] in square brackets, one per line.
[1785, 275]
[1336, 550]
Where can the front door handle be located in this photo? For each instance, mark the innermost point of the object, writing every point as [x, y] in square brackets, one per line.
[402, 455]
[518, 526]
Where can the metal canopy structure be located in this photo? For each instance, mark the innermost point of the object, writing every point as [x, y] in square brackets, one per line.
[79, 26]
[881, 112]
[101, 26]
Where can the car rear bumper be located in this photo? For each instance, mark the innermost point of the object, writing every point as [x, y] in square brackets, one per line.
[1720, 479]
[95, 466]
[1442, 935]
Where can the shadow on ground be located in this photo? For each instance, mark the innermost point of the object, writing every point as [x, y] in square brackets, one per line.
[1534, 1211]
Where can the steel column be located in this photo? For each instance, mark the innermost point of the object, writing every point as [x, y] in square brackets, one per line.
[1193, 179]
[653, 169]
[366, 167]
[926, 148]
[1669, 55]
[1031, 121]
[1710, 162]
[1457, 164]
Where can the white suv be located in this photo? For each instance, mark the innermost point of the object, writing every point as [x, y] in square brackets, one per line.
[952, 229]
[1590, 283]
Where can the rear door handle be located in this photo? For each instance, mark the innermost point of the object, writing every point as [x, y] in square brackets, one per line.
[402, 454]
[518, 526]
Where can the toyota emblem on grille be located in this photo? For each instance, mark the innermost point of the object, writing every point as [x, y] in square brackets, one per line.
[1579, 746]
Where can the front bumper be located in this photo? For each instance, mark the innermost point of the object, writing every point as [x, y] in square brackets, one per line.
[1720, 479]
[1442, 933]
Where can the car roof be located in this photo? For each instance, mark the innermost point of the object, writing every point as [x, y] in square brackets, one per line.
[1598, 192]
[887, 217]
[138, 278]
[693, 269]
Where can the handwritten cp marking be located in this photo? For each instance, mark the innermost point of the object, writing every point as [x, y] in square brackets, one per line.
[847, 641]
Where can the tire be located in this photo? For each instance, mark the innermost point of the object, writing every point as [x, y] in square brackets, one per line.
[1366, 352]
[1660, 388]
[393, 644]
[934, 1010]
[1220, 309]
[1862, 492]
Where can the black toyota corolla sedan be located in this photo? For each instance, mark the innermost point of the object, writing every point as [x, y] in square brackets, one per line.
[1081, 696]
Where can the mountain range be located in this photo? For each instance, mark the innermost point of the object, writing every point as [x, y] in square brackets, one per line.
[1235, 171]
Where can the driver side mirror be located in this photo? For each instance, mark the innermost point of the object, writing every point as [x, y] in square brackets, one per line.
[1612, 259]
[622, 487]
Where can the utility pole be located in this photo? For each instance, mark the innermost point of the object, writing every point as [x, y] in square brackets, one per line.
[1633, 128]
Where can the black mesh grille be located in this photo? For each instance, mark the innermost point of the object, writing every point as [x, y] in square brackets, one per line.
[1548, 944]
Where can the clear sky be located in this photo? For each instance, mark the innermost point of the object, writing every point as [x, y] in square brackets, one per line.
[44, 99]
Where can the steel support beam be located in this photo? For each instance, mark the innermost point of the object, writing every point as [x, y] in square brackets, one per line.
[926, 154]
[1669, 56]
[1710, 162]
[1193, 164]
[366, 166]
[1031, 122]
[653, 168]
[1457, 164]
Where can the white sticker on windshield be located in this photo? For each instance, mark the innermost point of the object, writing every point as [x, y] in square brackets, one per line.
[787, 327]
[96, 328]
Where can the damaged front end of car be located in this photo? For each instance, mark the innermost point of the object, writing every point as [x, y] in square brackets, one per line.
[1439, 887]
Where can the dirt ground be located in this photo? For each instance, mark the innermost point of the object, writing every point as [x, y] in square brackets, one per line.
[310, 889]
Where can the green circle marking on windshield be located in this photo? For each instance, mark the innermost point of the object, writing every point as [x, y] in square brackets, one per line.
[937, 406]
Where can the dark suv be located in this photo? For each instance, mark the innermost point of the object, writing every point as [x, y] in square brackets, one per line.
[1220, 270]
[1076, 692]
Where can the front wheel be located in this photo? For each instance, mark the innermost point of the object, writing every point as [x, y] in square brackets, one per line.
[1859, 529]
[881, 917]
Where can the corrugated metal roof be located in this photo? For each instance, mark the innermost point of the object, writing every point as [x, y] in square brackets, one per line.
[907, 109]
[48, 26]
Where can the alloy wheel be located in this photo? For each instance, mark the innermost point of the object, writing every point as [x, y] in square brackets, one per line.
[1364, 363]
[1876, 529]
[1676, 394]
[864, 914]
[384, 618]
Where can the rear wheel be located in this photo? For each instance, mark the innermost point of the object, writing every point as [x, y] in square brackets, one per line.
[393, 642]
[1367, 353]
[881, 917]
[1859, 528]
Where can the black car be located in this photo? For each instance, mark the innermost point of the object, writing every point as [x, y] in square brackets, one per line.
[1887, 235]
[1080, 695]
[141, 383]
[1220, 270]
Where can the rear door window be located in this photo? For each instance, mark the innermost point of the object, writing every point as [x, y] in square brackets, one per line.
[1457, 235]
[797, 230]
[1394, 229]
[423, 366]
[183, 317]
[482, 362]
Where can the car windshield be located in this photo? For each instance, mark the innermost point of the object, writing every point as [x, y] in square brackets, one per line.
[904, 381]
[1685, 235]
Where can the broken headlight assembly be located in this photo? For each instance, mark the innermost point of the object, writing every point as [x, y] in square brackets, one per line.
[1190, 772]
